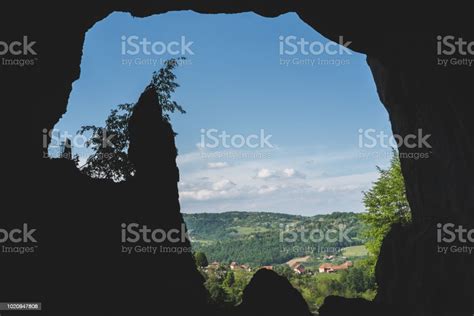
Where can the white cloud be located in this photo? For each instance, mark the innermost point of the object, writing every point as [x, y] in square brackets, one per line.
[199, 195]
[286, 173]
[217, 165]
[265, 189]
[204, 190]
[224, 184]
[265, 173]
[292, 173]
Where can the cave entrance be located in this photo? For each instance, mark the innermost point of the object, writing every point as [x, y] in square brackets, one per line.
[278, 142]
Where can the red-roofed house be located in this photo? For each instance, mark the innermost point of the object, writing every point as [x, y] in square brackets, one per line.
[299, 269]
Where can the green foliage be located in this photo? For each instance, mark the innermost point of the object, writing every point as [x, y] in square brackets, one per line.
[283, 270]
[229, 279]
[255, 237]
[359, 278]
[357, 281]
[226, 287]
[110, 142]
[164, 83]
[216, 293]
[200, 259]
[386, 204]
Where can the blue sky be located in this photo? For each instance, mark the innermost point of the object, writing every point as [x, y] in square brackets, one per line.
[235, 80]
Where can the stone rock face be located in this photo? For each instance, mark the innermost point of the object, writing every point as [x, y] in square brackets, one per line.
[400, 42]
[271, 294]
[151, 140]
[154, 202]
[339, 306]
[411, 272]
[81, 265]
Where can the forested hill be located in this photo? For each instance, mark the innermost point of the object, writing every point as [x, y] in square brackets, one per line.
[261, 238]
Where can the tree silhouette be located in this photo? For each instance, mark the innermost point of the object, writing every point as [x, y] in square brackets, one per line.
[201, 259]
[109, 143]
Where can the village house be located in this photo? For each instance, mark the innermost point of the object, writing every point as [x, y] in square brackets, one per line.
[296, 267]
[326, 268]
[329, 267]
[299, 269]
[330, 257]
[213, 266]
[246, 267]
[234, 266]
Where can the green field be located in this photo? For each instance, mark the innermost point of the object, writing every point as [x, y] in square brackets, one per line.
[355, 251]
[263, 238]
[248, 230]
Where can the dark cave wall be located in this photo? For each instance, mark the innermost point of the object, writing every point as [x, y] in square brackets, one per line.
[410, 272]
[437, 101]
[400, 43]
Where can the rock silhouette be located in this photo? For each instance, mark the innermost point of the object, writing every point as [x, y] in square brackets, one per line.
[271, 294]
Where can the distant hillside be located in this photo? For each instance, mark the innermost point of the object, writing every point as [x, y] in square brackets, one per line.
[260, 238]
